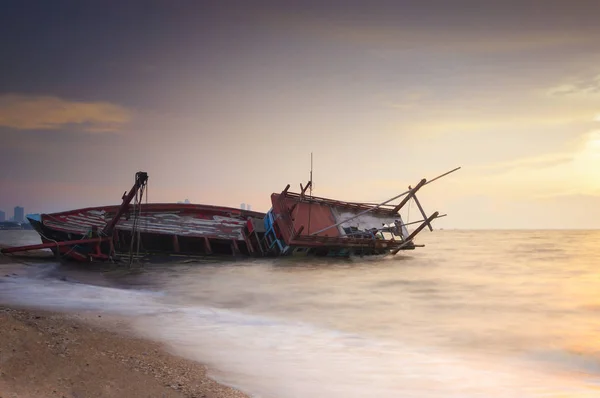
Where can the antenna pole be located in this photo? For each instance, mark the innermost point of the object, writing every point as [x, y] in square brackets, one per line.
[311, 171]
[310, 201]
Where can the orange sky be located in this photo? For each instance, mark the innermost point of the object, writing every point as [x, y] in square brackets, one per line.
[223, 102]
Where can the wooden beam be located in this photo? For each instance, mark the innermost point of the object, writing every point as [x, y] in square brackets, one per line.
[207, 246]
[176, 244]
[293, 207]
[111, 247]
[415, 232]
[423, 225]
[298, 232]
[235, 247]
[303, 190]
[141, 178]
[50, 245]
[248, 242]
[422, 212]
[258, 242]
[411, 193]
[396, 250]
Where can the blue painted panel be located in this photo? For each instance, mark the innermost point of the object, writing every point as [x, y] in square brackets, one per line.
[35, 217]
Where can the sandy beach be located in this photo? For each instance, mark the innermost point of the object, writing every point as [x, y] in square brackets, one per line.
[45, 354]
[49, 354]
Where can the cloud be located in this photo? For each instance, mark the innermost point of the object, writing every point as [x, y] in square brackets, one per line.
[544, 176]
[385, 34]
[459, 40]
[488, 121]
[410, 99]
[535, 162]
[23, 112]
[581, 88]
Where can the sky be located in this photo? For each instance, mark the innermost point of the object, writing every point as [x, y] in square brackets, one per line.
[222, 102]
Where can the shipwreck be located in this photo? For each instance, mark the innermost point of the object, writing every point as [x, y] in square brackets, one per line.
[297, 224]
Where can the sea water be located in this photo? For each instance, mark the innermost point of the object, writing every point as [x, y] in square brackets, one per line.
[472, 314]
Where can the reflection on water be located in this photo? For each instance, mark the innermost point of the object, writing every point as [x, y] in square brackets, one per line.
[19, 238]
[473, 314]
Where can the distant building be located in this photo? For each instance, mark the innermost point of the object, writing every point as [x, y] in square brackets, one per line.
[243, 206]
[19, 214]
[2, 216]
[249, 207]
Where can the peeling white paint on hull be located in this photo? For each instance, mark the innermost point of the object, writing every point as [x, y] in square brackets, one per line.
[181, 219]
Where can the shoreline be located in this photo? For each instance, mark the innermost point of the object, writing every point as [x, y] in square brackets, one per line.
[47, 354]
[89, 354]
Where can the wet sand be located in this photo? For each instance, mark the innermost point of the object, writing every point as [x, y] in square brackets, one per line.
[48, 354]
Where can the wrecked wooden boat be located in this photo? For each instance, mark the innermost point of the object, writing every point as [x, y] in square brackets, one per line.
[298, 224]
[301, 224]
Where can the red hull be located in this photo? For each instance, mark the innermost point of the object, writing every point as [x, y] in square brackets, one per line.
[163, 228]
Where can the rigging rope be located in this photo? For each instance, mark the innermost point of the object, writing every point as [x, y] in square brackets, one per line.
[137, 212]
[147, 218]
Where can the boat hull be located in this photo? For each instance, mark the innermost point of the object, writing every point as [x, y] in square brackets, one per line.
[301, 226]
[161, 228]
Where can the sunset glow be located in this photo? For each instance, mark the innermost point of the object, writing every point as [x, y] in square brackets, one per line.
[223, 105]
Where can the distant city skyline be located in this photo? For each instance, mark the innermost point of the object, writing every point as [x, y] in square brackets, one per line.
[19, 214]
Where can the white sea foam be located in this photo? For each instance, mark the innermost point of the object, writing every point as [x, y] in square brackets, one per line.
[270, 357]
